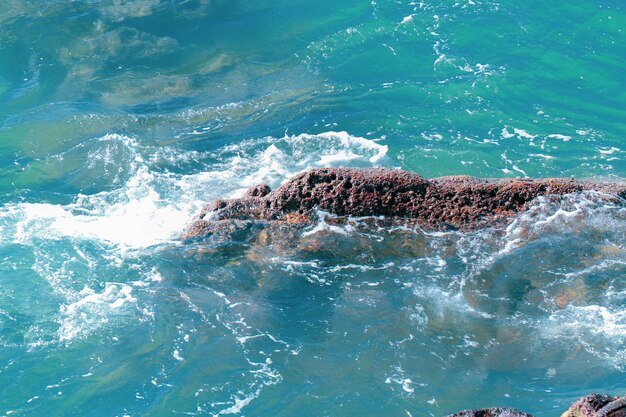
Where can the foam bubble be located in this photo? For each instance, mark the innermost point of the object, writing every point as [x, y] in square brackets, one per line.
[92, 310]
[293, 154]
[407, 19]
[559, 136]
[600, 330]
[323, 226]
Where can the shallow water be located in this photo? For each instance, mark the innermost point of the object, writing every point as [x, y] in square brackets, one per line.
[121, 119]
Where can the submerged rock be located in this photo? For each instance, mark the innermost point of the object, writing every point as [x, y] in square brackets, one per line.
[457, 202]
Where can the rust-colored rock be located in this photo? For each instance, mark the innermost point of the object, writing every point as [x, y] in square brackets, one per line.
[491, 412]
[596, 405]
[457, 202]
[592, 405]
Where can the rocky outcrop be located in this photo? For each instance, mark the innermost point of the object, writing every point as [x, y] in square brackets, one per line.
[491, 412]
[592, 405]
[596, 405]
[457, 202]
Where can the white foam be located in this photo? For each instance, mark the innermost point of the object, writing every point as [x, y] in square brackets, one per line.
[153, 207]
[322, 226]
[598, 320]
[405, 383]
[239, 404]
[540, 155]
[139, 217]
[547, 215]
[506, 134]
[559, 136]
[609, 150]
[519, 133]
[92, 310]
[272, 161]
[407, 19]
[600, 330]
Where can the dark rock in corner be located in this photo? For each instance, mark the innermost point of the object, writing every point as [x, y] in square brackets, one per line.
[491, 412]
[457, 202]
[592, 405]
[597, 405]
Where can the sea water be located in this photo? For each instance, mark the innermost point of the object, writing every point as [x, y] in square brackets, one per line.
[120, 119]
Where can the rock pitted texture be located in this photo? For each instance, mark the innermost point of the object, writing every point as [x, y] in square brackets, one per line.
[592, 405]
[458, 202]
[596, 405]
[491, 412]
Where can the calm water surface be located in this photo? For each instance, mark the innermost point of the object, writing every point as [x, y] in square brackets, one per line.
[120, 119]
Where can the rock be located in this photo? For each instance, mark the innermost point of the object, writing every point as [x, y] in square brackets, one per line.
[616, 408]
[458, 202]
[260, 190]
[592, 405]
[596, 405]
[491, 412]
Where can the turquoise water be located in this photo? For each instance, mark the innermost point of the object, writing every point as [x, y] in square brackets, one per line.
[120, 119]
